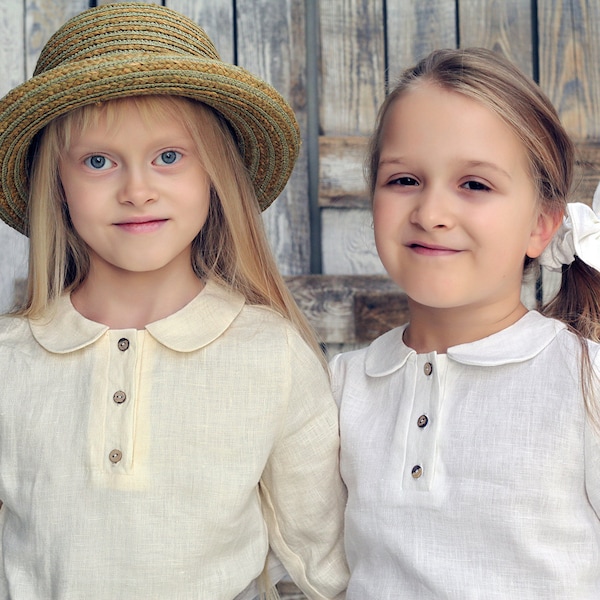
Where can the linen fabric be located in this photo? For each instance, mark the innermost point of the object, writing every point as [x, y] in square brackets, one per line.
[474, 474]
[163, 463]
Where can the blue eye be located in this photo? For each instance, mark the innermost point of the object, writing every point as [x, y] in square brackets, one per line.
[97, 162]
[168, 157]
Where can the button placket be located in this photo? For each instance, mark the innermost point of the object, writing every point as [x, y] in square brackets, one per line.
[119, 412]
[421, 438]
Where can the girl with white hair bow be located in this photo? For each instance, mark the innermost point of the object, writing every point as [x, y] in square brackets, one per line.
[470, 438]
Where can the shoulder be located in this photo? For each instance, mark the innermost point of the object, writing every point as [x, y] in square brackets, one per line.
[16, 340]
[275, 336]
[358, 369]
[14, 330]
[382, 356]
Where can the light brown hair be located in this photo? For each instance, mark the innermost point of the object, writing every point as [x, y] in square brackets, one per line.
[495, 82]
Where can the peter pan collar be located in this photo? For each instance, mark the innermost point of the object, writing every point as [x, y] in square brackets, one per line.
[197, 324]
[520, 342]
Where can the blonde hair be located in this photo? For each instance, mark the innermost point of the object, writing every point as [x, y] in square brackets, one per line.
[231, 248]
[495, 82]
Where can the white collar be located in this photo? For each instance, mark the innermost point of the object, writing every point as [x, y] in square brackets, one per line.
[197, 324]
[520, 342]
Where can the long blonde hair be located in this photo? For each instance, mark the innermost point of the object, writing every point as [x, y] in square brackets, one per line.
[495, 82]
[231, 248]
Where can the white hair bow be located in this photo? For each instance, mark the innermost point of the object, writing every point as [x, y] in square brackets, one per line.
[579, 235]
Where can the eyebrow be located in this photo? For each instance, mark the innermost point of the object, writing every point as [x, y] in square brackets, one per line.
[488, 165]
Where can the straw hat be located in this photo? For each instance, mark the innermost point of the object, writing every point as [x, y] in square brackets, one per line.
[132, 49]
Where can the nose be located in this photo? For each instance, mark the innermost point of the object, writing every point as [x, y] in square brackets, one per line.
[433, 209]
[136, 187]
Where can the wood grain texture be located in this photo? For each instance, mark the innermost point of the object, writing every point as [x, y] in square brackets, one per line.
[42, 19]
[504, 26]
[12, 44]
[271, 43]
[348, 243]
[569, 51]
[352, 65]
[341, 171]
[329, 302]
[215, 17]
[414, 29]
[378, 312]
[587, 171]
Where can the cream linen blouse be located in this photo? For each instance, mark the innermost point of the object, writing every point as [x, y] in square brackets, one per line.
[471, 475]
[160, 464]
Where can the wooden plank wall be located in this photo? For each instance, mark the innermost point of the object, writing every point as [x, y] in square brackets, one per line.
[361, 46]
[556, 42]
[335, 84]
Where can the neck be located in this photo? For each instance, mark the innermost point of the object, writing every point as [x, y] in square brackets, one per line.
[126, 300]
[437, 329]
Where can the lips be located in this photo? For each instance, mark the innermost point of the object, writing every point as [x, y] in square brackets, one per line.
[141, 224]
[427, 249]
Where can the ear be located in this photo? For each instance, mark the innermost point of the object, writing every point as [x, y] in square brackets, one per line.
[545, 228]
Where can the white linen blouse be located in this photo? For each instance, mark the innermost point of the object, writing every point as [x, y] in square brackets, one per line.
[471, 475]
[161, 463]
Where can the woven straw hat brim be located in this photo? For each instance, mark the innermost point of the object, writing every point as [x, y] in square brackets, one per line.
[264, 124]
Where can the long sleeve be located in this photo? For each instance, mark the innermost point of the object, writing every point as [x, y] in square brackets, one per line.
[303, 496]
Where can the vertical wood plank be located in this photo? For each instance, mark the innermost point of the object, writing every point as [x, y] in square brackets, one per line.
[42, 19]
[504, 26]
[13, 245]
[271, 44]
[352, 69]
[349, 244]
[12, 44]
[215, 17]
[569, 34]
[414, 29]
[352, 65]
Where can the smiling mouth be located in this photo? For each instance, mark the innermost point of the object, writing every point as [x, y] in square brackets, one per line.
[141, 226]
[431, 249]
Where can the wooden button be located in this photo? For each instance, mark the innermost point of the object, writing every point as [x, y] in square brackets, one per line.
[116, 455]
[119, 397]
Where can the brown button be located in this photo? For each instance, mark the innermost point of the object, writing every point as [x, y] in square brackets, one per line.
[119, 397]
[428, 368]
[417, 471]
[116, 455]
[422, 421]
[123, 344]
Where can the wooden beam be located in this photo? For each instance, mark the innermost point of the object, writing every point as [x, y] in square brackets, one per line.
[348, 309]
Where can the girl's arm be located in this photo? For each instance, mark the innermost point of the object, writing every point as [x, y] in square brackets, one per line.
[592, 443]
[302, 494]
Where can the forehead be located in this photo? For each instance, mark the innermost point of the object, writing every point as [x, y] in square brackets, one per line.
[111, 114]
[429, 118]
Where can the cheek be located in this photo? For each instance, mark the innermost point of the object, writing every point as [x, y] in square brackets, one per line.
[387, 216]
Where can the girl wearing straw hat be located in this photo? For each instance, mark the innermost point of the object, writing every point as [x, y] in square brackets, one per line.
[165, 413]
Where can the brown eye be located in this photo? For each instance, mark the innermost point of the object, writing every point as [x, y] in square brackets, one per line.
[476, 186]
[404, 181]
